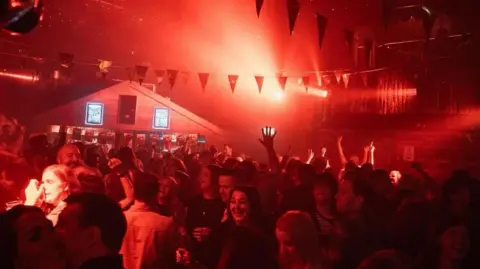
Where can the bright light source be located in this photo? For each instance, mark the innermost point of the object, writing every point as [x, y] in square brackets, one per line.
[278, 95]
[320, 93]
[31, 78]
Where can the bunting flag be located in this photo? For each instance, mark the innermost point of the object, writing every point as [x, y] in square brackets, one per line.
[184, 76]
[103, 67]
[364, 77]
[232, 80]
[306, 82]
[388, 6]
[282, 80]
[141, 72]
[293, 7]
[203, 77]
[338, 76]
[66, 60]
[160, 75]
[259, 5]
[428, 19]
[346, 79]
[322, 23]
[349, 38]
[172, 77]
[368, 52]
[259, 80]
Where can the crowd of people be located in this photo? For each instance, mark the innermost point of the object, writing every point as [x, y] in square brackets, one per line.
[68, 206]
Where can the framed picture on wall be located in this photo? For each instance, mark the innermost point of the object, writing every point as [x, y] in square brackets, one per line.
[161, 118]
[94, 114]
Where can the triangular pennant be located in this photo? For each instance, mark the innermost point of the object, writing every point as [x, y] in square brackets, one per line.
[293, 7]
[259, 5]
[428, 19]
[141, 71]
[346, 78]
[364, 77]
[338, 76]
[322, 22]
[66, 60]
[172, 77]
[160, 75]
[282, 80]
[184, 76]
[232, 80]
[349, 38]
[368, 52]
[306, 82]
[259, 80]
[203, 77]
[388, 6]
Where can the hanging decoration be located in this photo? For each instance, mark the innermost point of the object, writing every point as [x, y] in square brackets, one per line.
[184, 76]
[160, 75]
[306, 82]
[282, 80]
[141, 71]
[322, 23]
[203, 77]
[259, 80]
[259, 5]
[103, 67]
[364, 77]
[346, 79]
[66, 60]
[232, 80]
[388, 6]
[428, 19]
[338, 76]
[368, 52]
[293, 7]
[172, 77]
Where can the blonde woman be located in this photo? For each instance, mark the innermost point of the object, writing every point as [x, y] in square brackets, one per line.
[58, 181]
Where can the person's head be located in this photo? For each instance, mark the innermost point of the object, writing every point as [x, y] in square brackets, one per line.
[59, 181]
[395, 176]
[324, 190]
[145, 187]
[352, 193]
[168, 189]
[246, 248]
[127, 157]
[91, 183]
[247, 172]
[386, 259]
[320, 164]
[91, 226]
[297, 239]
[172, 165]
[456, 194]
[226, 183]
[69, 155]
[245, 206]
[208, 178]
[454, 242]
[26, 236]
[355, 160]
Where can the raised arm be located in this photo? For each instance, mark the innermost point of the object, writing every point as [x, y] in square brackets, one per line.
[268, 134]
[343, 160]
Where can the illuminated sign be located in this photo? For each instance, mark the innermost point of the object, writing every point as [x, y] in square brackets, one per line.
[94, 114]
[161, 118]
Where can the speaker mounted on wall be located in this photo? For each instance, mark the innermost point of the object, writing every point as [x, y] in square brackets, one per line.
[127, 108]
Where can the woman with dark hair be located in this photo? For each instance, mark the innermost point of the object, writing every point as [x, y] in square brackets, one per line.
[246, 248]
[27, 240]
[204, 213]
[244, 210]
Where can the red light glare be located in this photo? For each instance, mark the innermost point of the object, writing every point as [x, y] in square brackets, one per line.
[31, 78]
[320, 93]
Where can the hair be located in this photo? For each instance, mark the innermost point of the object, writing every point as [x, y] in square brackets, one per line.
[8, 235]
[301, 229]
[246, 248]
[92, 183]
[100, 211]
[127, 157]
[145, 187]
[256, 213]
[231, 163]
[215, 171]
[386, 259]
[66, 175]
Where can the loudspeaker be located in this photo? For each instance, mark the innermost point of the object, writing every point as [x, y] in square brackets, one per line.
[127, 107]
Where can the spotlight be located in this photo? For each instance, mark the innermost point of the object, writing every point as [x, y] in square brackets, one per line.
[19, 17]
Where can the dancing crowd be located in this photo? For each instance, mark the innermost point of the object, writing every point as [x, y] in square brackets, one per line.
[76, 206]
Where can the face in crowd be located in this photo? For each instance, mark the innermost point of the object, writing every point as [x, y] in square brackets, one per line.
[56, 183]
[239, 207]
[69, 155]
[454, 243]
[226, 185]
[205, 179]
[347, 200]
